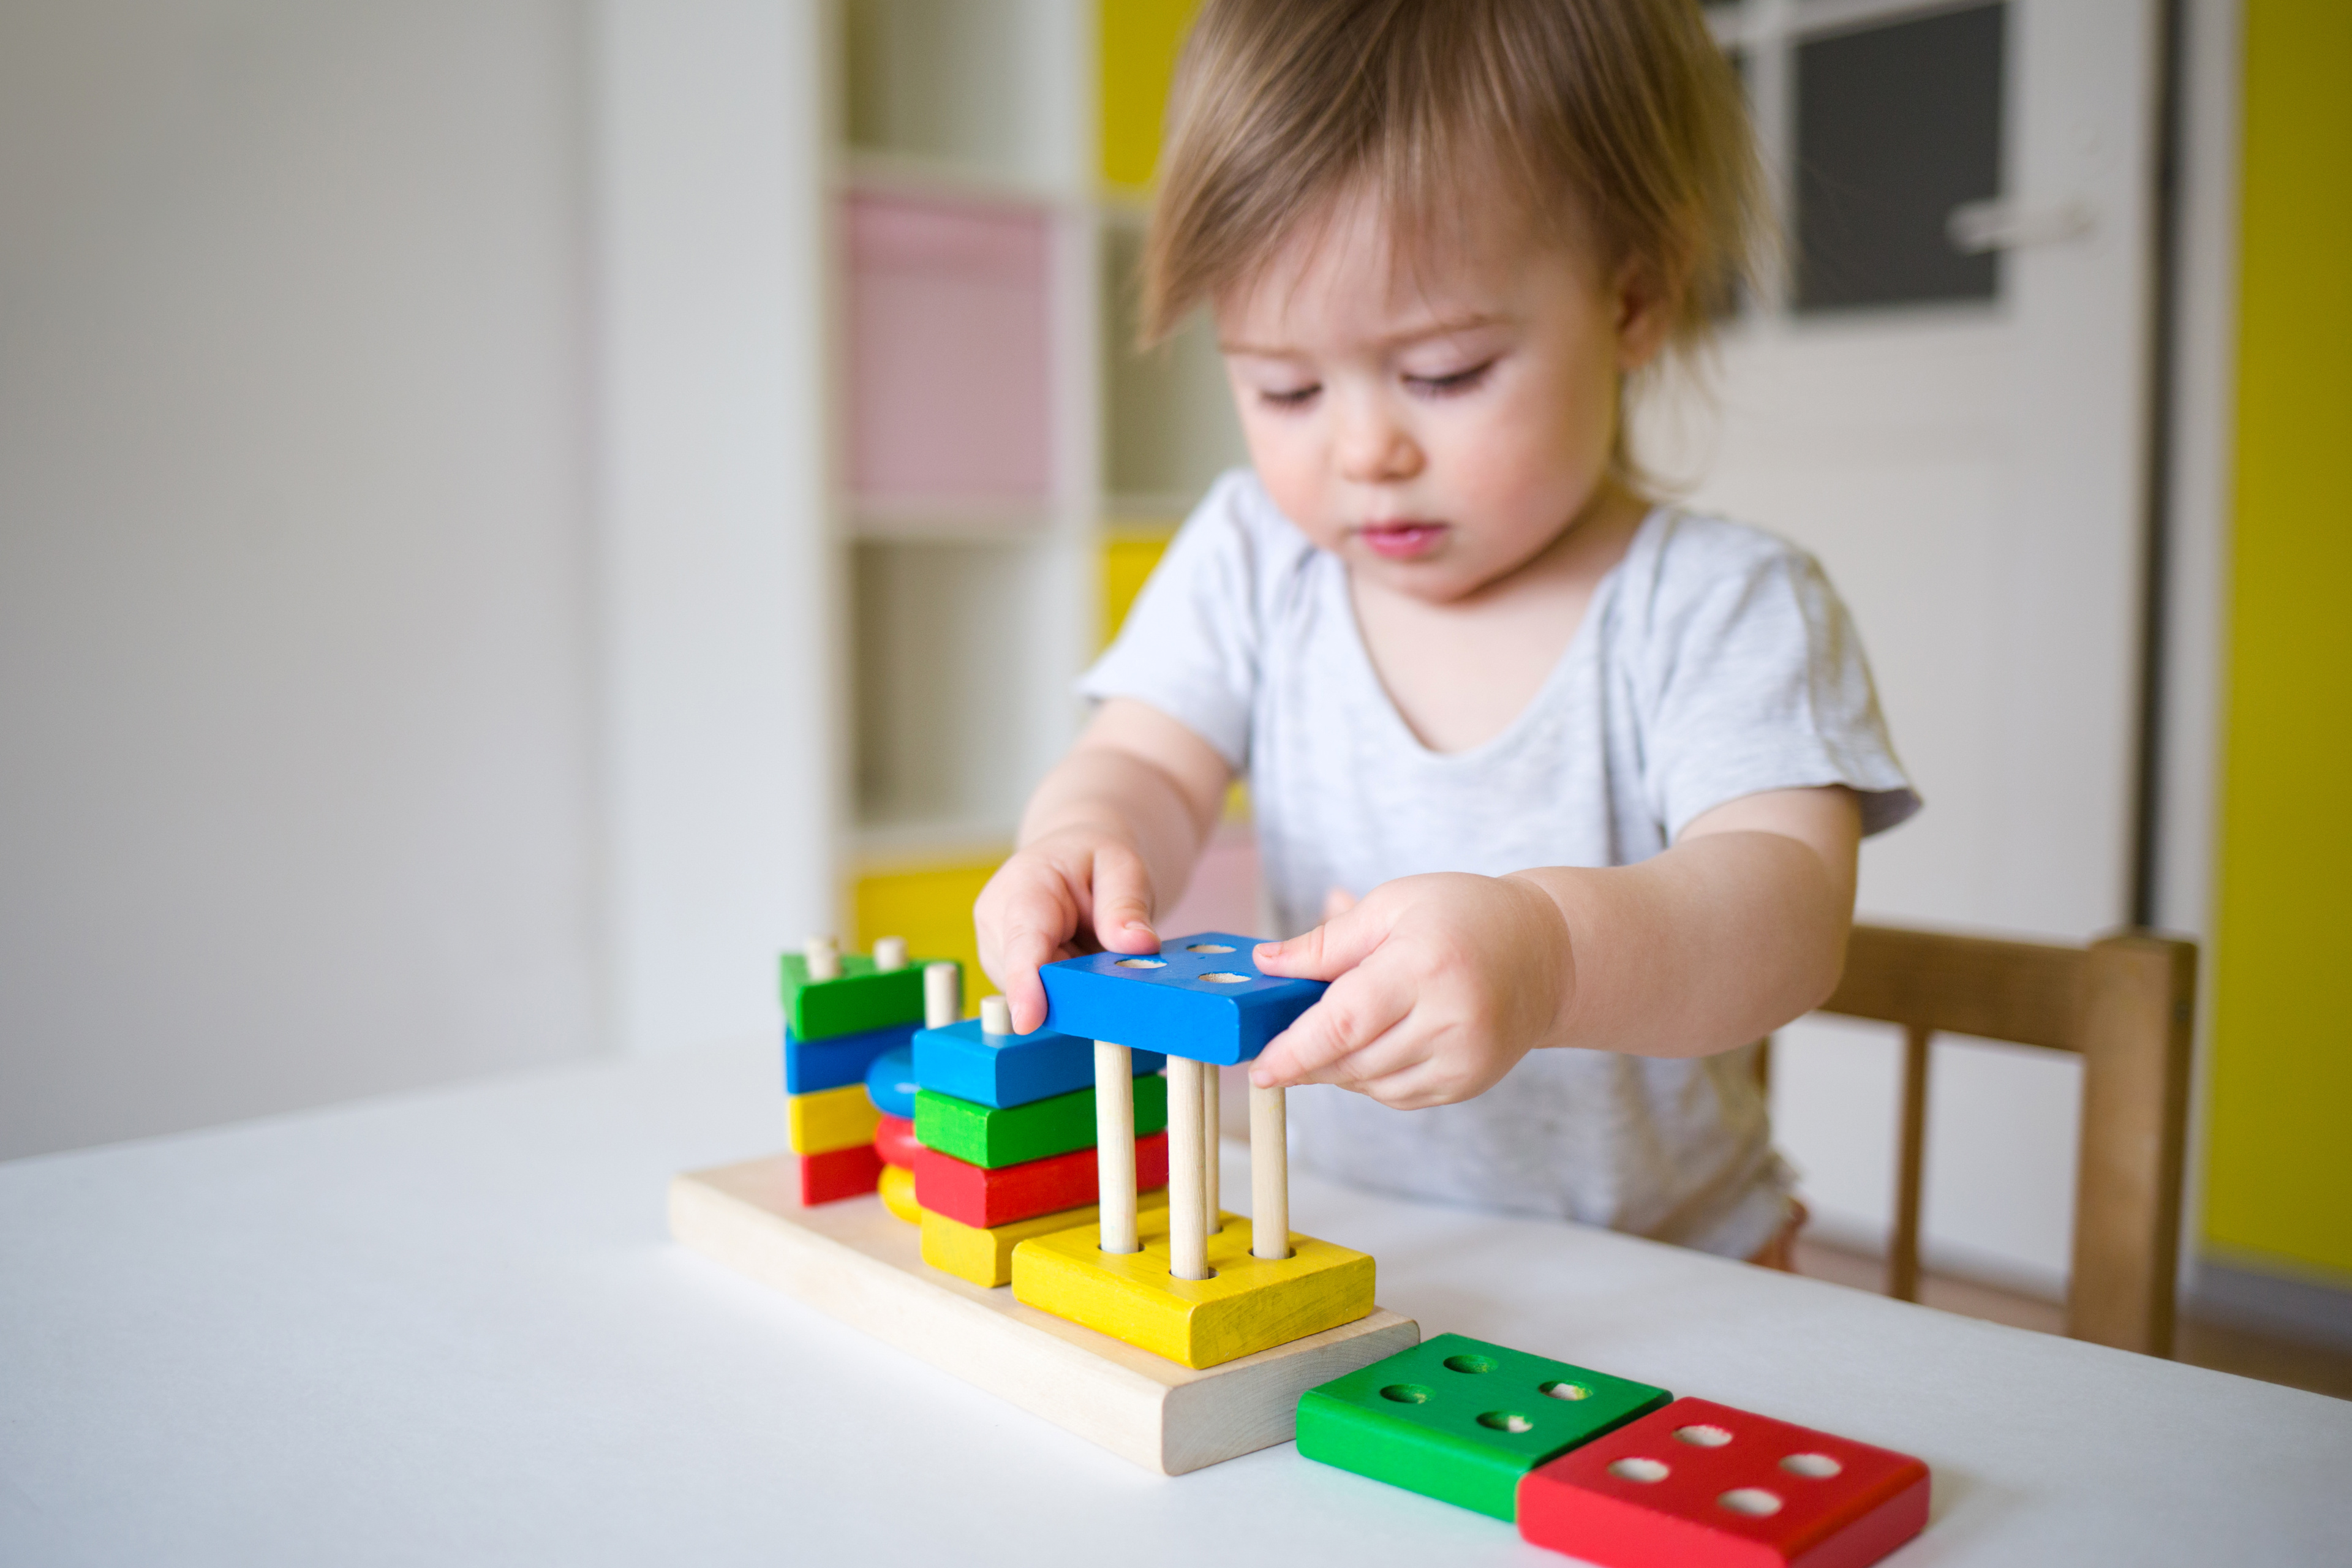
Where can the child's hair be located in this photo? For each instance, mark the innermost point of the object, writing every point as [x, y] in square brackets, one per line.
[1619, 121]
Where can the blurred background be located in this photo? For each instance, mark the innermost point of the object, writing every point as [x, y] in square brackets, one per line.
[511, 513]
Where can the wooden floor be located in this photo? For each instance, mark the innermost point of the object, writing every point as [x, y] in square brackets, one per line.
[2224, 1348]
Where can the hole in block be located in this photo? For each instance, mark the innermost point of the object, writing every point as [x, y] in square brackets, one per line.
[1703, 1437]
[1406, 1394]
[1639, 1470]
[1753, 1501]
[1141, 964]
[1507, 1421]
[1820, 1467]
[1468, 1364]
[1208, 947]
[1228, 979]
[1567, 1391]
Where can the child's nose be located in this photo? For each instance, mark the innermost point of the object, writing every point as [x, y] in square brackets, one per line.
[1375, 449]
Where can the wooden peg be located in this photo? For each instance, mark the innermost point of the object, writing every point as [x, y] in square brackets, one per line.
[1188, 1187]
[890, 952]
[995, 1015]
[823, 958]
[1269, 1176]
[942, 994]
[1114, 1144]
[1210, 1084]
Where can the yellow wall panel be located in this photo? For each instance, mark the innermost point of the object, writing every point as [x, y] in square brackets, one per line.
[1140, 40]
[2279, 1163]
[932, 908]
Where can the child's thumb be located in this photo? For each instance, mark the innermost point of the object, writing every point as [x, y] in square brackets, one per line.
[1123, 902]
[1327, 951]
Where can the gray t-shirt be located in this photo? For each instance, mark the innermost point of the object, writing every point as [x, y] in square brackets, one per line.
[1714, 661]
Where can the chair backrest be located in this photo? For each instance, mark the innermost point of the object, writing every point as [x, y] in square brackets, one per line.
[2124, 1005]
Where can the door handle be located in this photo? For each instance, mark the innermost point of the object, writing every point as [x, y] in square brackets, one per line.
[1976, 228]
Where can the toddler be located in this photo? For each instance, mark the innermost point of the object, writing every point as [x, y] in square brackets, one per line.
[1572, 780]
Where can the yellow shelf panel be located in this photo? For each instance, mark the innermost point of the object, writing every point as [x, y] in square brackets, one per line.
[1139, 41]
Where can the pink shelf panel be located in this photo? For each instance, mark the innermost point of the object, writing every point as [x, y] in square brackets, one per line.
[949, 353]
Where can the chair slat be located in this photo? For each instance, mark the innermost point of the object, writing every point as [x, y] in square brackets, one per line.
[2021, 991]
[1910, 1171]
[2138, 1005]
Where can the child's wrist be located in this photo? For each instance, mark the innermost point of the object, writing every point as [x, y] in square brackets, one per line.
[1555, 940]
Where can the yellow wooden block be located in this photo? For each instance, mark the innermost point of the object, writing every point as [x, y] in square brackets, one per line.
[1250, 1305]
[832, 1119]
[897, 1191]
[985, 1257]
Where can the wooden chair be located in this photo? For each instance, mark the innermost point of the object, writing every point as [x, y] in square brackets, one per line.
[2124, 1005]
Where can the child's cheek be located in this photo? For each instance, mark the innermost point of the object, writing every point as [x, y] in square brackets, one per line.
[1286, 466]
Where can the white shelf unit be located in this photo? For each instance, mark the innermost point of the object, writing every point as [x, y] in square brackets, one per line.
[975, 563]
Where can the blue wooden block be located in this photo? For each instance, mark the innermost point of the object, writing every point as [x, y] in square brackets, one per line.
[1201, 999]
[837, 1062]
[1005, 1071]
[890, 1082]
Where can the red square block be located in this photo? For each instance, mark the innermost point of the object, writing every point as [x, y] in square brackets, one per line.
[984, 1198]
[844, 1174]
[1701, 1485]
[894, 1139]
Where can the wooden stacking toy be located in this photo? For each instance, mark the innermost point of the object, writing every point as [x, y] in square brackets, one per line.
[1192, 1282]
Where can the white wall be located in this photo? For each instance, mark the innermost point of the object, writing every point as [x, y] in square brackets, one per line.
[726, 747]
[297, 793]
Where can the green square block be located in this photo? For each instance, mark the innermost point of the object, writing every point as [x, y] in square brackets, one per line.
[863, 998]
[984, 1135]
[1460, 1420]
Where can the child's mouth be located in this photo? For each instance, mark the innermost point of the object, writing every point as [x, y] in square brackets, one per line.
[1400, 541]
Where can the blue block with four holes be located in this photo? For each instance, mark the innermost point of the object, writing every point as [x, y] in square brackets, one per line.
[837, 1062]
[1200, 998]
[1005, 1071]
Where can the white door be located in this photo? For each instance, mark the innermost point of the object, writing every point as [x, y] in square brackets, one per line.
[1943, 399]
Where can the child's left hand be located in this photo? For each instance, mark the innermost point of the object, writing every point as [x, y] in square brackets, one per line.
[1439, 986]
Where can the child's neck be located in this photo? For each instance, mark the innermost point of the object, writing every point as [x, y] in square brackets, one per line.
[1460, 671]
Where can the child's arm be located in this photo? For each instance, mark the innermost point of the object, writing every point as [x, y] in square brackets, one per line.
[1110, 837]
[1441, 983]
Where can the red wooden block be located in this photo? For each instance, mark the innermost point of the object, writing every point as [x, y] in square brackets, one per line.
[894, 1139]
[984, 1198]
[844, 1174]
[1701, 1485]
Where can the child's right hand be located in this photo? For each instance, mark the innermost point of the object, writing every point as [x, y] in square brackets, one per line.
[1077, 889]
[1114, 828]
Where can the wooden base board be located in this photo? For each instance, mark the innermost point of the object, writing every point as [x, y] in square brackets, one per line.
[852, 1261]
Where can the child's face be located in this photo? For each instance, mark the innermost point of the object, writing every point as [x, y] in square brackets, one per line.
[1435, 426]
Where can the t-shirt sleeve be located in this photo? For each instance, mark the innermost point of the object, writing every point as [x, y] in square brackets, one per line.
[1758, 682]
[1190, 644]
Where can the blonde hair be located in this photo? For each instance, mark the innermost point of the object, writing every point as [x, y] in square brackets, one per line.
[1614, 121]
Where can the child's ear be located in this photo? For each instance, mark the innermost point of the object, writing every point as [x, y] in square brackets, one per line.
[1644, 309]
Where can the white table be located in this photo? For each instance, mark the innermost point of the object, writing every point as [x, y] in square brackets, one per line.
[448, 1328]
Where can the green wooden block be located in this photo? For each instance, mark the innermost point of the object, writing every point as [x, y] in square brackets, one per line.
[1460, 1420]
[863, 998]
[984, 1135]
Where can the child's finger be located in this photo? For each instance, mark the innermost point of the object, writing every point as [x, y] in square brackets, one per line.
[1338, 902]
[1360, 1008]
[1016, 974]
[1031, 925]
[1123, 902]
[1331, 950]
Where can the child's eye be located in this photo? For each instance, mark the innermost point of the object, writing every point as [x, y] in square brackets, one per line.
[1455, 381]
[1292, 398]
